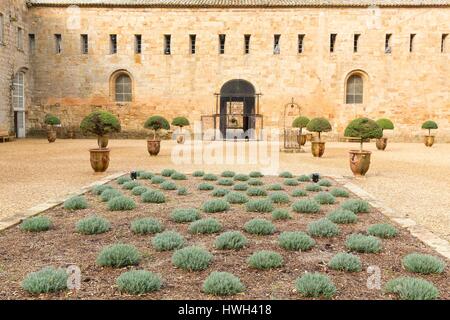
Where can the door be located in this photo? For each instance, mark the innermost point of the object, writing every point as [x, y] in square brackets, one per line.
[19, 124]
[18, 97]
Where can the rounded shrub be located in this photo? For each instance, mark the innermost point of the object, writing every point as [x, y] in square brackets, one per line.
[168, 185]
[256, 192]
[100, 123]
[323, 228]
[295, 241]
[206, 226]
[342, 216]
[92, 225]
[385, 124]
[259, 227]
[241, 177]
[255, 174]
[306, 206]
[220, 192]
[363, 128]
[318, 125]
[355, 205]
[315, 285]
[255, 182]
[204, 186]
[240, 187]
[286, 174]
[265, 259]
[130, 184]
[146, 175]
[75, 203]
[339, 192]
[300, 122]
[121, 203]
[156, 123]
[153, 196]
[198, 173]
[51, 120]
[45, 280]
[36, 224]
[275, 187]
[138, 282]
[138, 190]
[260, 205]
[97, 190]
[184, 215]
[167, 172]
[182, 191]
[180, 122]
[409, 288]
[382, 230]
[429, 125]
[192, 258]
[157, 180]
[280, 214]
[222, 284]
[423, 263]
[324, 183]
[345, 262]
[108, 194]
[325, 198]
[279, 197]
[123, 179]
[230, 240]
[146, 226]
[215, 205]
[304, 178]
[236, 197]
[228, 174]
[178, 176]
[291, 182]
[362, 243]
[314, 187]
[210, 177]
[118, 256]
[299, 193]
[225, 182]
[168, 240]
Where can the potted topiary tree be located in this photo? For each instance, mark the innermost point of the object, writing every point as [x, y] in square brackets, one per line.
[300, 122]
[155, 124]
[180, 122]
[384, 124]
[51, 121]
[100, 123]
[318, 125]
[362, 128]
[429, 139]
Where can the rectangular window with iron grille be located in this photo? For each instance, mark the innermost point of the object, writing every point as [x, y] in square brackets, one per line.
[333, 37]
[58, 43]
[167, 40]
[113, 43]
[221, 43]
[192, 40]
[84, 44]
[246, 44]
[301, 39]
[137, 44]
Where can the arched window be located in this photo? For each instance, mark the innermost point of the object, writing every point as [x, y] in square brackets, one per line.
[354, 89]
[123, 88]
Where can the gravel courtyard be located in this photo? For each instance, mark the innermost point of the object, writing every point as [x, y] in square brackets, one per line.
[408, 177]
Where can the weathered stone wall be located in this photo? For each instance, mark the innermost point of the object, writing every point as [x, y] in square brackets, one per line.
[408, 87]
[12, 60]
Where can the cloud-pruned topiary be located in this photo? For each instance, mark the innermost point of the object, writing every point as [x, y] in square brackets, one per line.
[241, 177]
[75, 203]
[299, 193]
[259, 227]
[210, 177]
[138, 282]
[256, 192]
[228, 174]
[46, 280]
[236, 197]
[97, 190]
[429, 125]
[275, 187]
[423, 263]
[157, 180]
[118, 256]
[146, 226]
[255, 174]
[362, 243]
[306, 206]
[92, 225]
[281, 214]
[192, 258]
[323, 228]
[255, 182]
[259, 205]
[342, 216]
[215, 205]
[304, 178]
[153, 196]
[324, 183]
[198, 173]
[138, 190]
[205, 226]
[36, 224]
[319, 125]
[168, 172]
[222, 284]
[178, 176]
[279, 197]
[230, 240]
[409, 288]
[291, 182]
[356, 205]
[225, 182]
[286, 174]
[204, 186]
[108, 194]
[121, 203]
[339, 192]
[382, 230]
[315, 285]
[295, 241]
[314, 187]
[345, 262]
[156, 123]
[168, 240]
[184, 215]
[325, 198]
[168, 185]
[363, 128]
[100, 123]
[130, 184]
[265, 259]
[240, 187]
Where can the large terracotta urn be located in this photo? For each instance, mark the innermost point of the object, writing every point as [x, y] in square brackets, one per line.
[153, 146]
[359, 162]
[317, 148]
[99, 159]
[429, 140]
[381, 143]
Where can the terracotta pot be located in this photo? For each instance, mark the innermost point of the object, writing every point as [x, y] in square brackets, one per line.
[181, 139]
[99, 159]
[153, 146]
[51, 135]
[317, 148]
[429, 140]
[381, 143]
[102, 141]
[301, 139]
[359, 162]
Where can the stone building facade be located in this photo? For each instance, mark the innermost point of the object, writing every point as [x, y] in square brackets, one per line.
[337, 59]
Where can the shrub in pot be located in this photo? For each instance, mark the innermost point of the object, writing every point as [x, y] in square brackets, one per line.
[155, 124]
[51, 121]
[362, 128]
[100, 123]
[384, 124]
[300, 122]
[318, 125]
[180, 122]
[428, 125]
